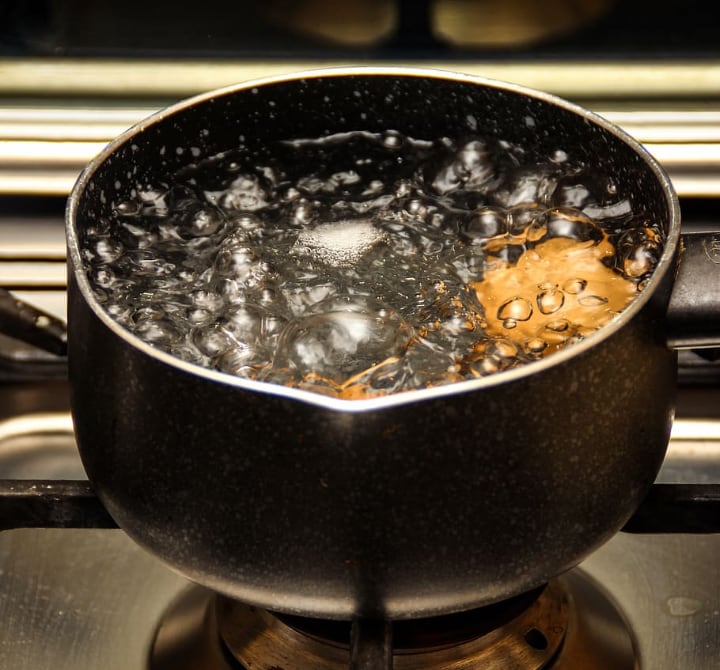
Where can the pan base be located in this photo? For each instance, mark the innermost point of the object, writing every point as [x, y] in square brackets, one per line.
[568, 624]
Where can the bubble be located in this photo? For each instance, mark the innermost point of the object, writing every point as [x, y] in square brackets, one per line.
[108, 250]
[571, 223]
[472, 167]
[476, 161]
[574, 286]
[103, 277]
[558, 326]
[205, 299]
[526, 219]
[517, 309]
[575, 195]
[593, 300]
[201, 221]
[550, 301]
[343, 337]
[640, 261]
[639, 251]
[392, 139]
[159, 332]
[128, 208]
[240, 360]
[536, 345]
[485, 222]
[302, 214]
[236, 259]
[199, 316]
[212, 341]
[244, 193]
[306, 295]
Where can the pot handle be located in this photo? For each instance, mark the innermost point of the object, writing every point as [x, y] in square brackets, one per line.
[693, 316]
[31, 325]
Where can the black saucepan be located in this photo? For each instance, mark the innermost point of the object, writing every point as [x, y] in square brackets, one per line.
[426, 502]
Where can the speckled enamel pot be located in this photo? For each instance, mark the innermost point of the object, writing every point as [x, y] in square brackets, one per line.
[415, 504]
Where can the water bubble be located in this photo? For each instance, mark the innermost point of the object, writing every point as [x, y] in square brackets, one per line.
[244, 322]
[526, 219]
[640, 261]
[472, 167]
[485, 222]
[593, 300]
[343, 337]
[576, 195]
[201, 222]
[103, 277]
[574, 286]
[199, 316]
[639, 251]
[392, 139]
[236, 259]
[205, 299]
[129, 208]
[345, 178]
[212, 341]
[619, 209]
[240, 360]
[300, 297]
[108, 250]
[558, 326]
[550, 300]
[303, 213]
[536, 345]
[476, 163]
[517, 309]
[571, 223]
[244, 193]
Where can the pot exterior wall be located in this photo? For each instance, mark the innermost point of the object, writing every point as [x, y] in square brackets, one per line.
[412, 510]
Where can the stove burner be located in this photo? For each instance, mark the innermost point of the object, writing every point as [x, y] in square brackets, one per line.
[568, 624]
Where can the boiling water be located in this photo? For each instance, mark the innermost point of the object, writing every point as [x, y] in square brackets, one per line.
[363, 264]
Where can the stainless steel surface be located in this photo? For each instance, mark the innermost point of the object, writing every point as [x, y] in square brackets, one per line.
[80, 600]
[671, 108]
[610, 78]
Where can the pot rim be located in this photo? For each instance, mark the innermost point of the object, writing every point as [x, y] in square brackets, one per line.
[664, 265]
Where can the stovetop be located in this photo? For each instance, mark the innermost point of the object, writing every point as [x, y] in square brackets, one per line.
[89, 599]
[84, 599]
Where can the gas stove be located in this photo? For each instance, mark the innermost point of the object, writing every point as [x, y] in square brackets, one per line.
[82, 597]
[74, 76]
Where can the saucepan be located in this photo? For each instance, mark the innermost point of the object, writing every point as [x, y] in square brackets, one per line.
[413, 504]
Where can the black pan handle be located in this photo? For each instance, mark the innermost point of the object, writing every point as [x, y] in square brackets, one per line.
[693, 316]
[31, 325]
